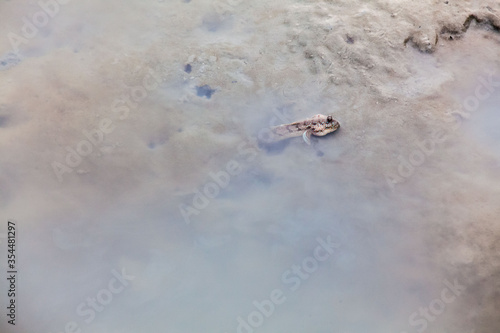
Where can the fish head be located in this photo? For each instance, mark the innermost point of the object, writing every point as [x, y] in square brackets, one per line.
[331, 125]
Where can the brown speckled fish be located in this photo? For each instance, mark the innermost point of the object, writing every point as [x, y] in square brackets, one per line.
[318, 125]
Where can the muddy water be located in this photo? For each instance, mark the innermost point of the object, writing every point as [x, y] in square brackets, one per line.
[131, 163]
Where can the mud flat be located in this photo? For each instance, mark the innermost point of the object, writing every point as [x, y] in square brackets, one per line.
[118, 120]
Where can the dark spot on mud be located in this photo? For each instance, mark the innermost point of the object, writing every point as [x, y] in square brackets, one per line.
[204, 91]
[349, 39]
[179, 130]
[187, 68]
[319, 153]
[274, 148]
[9, 60]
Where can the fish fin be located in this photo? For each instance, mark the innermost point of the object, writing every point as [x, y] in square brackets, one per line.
[306, 136]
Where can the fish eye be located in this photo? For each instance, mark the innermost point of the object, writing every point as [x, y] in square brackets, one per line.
[329, 119]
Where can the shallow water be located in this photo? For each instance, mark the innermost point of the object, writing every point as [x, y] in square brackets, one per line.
[131, 164]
